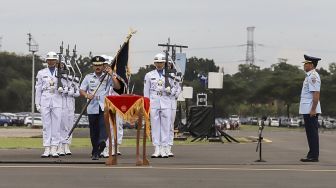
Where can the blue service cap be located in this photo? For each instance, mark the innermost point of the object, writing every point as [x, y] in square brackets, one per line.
[310, 59]
[97, 60]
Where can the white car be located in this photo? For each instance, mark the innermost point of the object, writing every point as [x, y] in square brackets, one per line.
[329, 123]
[234, 118]
[290, 122]
[37, 122]
[234, 122]
[254, 121]
[274, 122]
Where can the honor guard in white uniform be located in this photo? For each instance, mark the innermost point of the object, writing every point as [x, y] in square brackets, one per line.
[49, 103]
[70, 91]
[310, 107]
[160, 106]
[119, 120]
[95, 109]
[72, 94]
[176, 90]
[64, 112]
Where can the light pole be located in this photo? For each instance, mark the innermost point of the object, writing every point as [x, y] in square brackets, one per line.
[33, 47]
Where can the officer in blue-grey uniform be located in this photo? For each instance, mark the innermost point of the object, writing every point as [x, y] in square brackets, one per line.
[310, 107]
[160, 106]
[49, 103]
[95, 109]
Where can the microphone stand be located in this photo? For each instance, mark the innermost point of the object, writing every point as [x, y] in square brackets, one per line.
[260, 138]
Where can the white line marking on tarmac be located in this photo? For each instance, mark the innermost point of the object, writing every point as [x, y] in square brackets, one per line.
[178, 168]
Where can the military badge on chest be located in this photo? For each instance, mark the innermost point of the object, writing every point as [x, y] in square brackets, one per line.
[160, 83]
[52, 85]
[92, 84]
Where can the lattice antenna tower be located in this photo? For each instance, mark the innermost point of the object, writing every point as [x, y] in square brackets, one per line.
[250, 46]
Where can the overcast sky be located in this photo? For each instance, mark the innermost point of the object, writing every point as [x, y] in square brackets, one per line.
[212, 29]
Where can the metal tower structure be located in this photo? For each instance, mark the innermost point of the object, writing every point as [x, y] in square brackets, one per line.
[250, 46]
[33, 47]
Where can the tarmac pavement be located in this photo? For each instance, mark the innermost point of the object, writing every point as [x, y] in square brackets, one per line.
[205, 165]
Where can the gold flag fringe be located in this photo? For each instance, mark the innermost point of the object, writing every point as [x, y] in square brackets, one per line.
[131, 115]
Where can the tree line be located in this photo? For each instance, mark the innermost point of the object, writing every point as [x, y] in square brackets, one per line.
[252, 91]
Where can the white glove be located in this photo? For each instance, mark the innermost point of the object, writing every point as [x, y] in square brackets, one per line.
[70, 92]
[167, 89]
[38, 108]
[60, 89]
[65, 91]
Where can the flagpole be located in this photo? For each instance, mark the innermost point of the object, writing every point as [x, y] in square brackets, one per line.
[114, 63]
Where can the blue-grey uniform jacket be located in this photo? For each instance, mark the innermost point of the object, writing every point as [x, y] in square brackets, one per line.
[311, 83]
[89, 84]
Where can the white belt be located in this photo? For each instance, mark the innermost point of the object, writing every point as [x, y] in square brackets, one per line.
[159, 93]
[49, 91]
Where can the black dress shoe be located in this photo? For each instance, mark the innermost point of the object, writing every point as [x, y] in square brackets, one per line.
[309, 160]
[101, 147]
[95, 157]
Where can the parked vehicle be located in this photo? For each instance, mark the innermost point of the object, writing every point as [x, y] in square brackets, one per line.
[301, 122]
[321, 122]
[11, 116]
[83, 122]
[222, 123]
[290, 122]
[329, 123]
[5, 121]
[254, 121]
[274, 122]
[243, 120]
[234, 122]
[17, 120]
[37, 122]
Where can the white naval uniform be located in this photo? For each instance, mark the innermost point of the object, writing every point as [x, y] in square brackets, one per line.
[311, 83]
[68, 109]
[176, 90]
[50, 101]
[160, 107]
